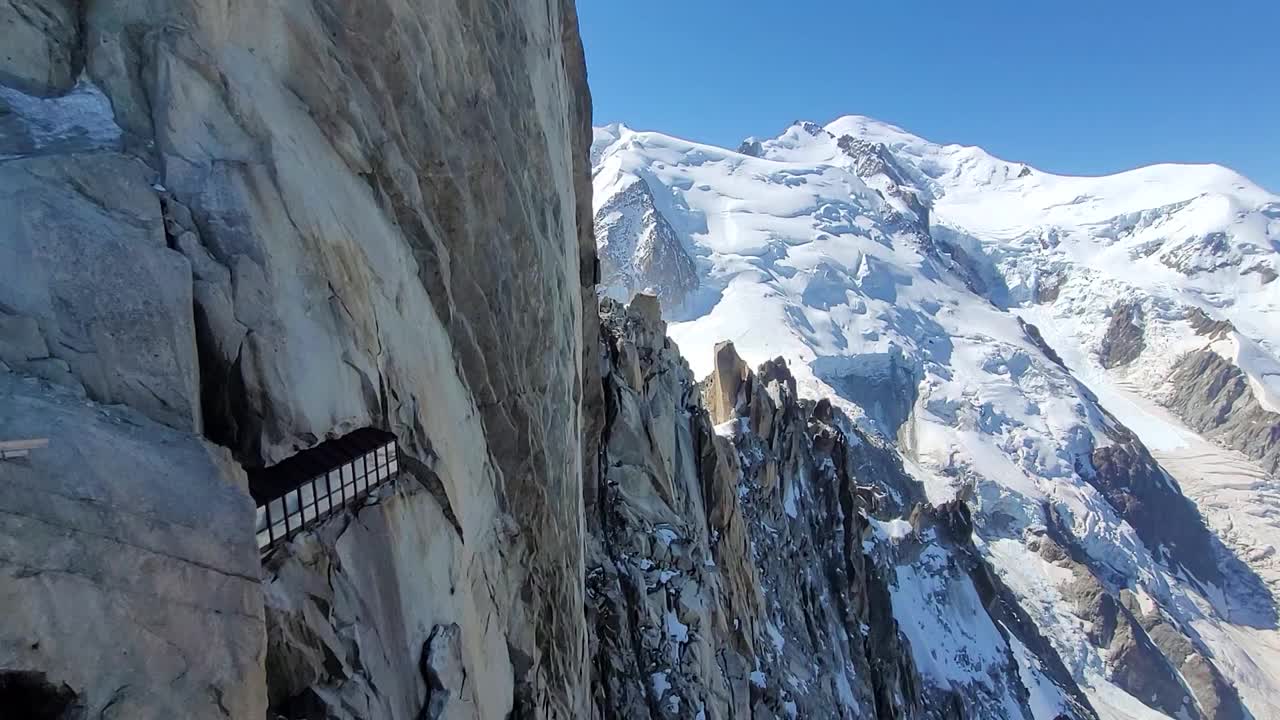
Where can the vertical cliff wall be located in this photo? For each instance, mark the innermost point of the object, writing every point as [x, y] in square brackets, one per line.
[232, 230]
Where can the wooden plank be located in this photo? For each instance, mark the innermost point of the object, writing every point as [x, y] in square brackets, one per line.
[10, 449]
[33, 444]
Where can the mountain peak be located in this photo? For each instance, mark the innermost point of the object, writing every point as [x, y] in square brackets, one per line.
[873, 130]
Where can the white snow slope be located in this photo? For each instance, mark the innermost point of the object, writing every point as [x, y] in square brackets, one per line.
[895, 275]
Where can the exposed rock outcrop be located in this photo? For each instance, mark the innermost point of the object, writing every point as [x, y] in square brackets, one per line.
[1123, 341]
[1198, 254]
[639, 250]
[1033, 334]
[873, 159]
[374, 615]
[43, 44]
[1205, 325]
[128, 570]
[1213, 396]
[679, 595]
[1048, 287]
[1150, 656]
[1149, 500]
[104, 305]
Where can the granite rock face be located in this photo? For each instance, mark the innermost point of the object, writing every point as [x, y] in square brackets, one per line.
[85, 267]
[44, 48]
[258, 226]
[374, 615]
[128, 570]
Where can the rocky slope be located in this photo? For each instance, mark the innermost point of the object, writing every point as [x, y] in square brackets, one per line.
[763, 558]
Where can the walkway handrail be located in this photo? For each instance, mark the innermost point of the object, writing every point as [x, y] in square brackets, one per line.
[283, 512]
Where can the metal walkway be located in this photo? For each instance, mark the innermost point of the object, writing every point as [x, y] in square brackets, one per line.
[297, 493]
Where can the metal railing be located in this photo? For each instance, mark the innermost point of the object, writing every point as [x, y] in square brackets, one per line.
[282, 515]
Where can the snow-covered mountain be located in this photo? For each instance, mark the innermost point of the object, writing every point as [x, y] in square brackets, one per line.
[1074, 356]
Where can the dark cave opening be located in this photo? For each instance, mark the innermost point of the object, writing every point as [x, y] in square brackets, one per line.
[29, 695]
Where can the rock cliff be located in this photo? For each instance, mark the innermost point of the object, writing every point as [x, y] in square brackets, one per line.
[1123, 341]
[232, 231]
[1212, 395]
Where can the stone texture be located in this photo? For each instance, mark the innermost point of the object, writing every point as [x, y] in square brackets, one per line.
[305, 218]
[87, 280]
[444, 673]
[377, 614]
[128, 571]
[724, 388]
[43, 50]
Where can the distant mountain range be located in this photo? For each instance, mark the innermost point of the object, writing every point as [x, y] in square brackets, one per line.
[1077, 356]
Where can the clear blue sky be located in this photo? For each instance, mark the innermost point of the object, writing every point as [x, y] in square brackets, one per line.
[1078, 87]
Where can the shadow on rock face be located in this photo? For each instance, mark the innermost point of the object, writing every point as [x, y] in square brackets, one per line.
[1170, 525]
[30, 695]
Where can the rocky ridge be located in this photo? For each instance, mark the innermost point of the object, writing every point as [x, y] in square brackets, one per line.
[1215, 397]
[738, 562]
[638, 250]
